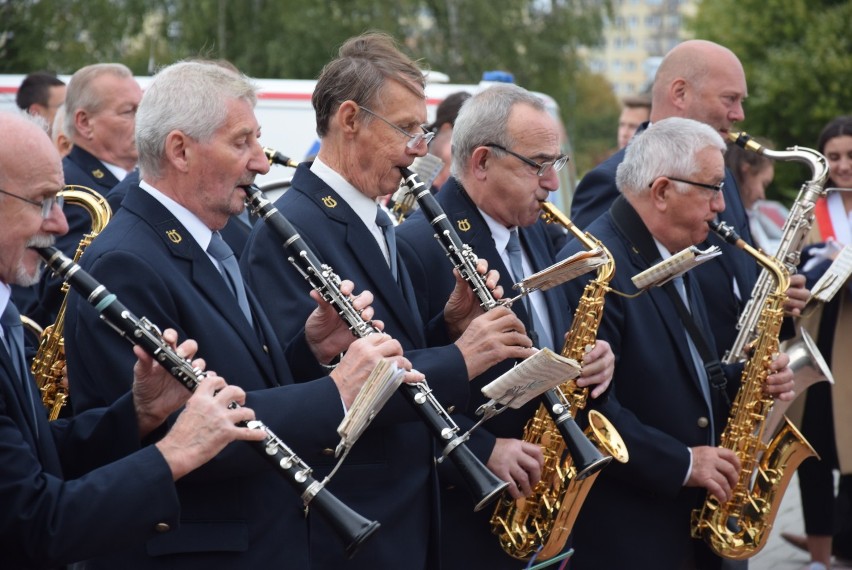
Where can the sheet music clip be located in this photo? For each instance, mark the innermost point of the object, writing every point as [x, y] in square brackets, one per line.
[561, 272]
[674, 266]
[374, 394]
[530, 379]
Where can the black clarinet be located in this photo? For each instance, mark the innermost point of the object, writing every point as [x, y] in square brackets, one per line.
[463, 258]
[483, 485]
[352, 528]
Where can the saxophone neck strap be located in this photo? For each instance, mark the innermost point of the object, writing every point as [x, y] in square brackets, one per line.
[627, 220]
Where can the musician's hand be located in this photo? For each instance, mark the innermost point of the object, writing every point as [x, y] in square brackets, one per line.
[327, 334]
[797, 296]
[716, 469]
[517, 462]
[206, 426]
[360, 360]
[491, 338]
[463, 305]
[156, 393]
[598, 367]
[780, 383]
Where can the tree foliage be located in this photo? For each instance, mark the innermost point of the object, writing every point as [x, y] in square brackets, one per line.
[797, 55]
[536, 40]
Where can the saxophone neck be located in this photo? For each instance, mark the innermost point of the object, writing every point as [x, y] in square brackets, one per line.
[551, 214]
[815, 160]
[775, 266]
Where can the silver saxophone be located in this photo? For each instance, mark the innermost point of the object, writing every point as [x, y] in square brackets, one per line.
[806, 361]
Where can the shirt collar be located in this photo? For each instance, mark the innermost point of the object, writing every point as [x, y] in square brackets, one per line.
[193, 224]
[499, 233]
[117, 171]
[364, 207]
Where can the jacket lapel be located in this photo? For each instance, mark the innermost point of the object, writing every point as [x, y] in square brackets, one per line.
[203, 274]
[363, 249]
[472, 229]
[643, 254]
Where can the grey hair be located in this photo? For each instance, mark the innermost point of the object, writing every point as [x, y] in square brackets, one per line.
[81, 95]
[666, 148]
[363, 67]
[190, 97]
[484, 119]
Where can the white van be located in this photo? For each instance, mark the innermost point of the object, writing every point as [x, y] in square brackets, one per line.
[288, 122]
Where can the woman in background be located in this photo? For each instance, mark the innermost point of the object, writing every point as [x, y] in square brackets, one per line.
[826, 422]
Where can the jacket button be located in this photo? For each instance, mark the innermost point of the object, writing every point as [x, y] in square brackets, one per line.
[328, 451]
[265, 349]
[162, 527]
[703, 422]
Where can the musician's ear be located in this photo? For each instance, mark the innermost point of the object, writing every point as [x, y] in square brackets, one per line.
[480, 161]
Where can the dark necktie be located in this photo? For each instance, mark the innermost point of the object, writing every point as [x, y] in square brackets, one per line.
[384, 222]
[13, 335]
[230, 270]
[539, 335]
[682, 286]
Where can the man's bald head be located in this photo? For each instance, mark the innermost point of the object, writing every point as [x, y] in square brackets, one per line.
[25, 145]
[703, 81]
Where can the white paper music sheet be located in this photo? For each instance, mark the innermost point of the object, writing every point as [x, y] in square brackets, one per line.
[676, 265]
[532, 377]
[835, 276]
[578, 264]
[379, 387]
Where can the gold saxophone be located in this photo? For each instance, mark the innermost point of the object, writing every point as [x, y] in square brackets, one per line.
[546, 517]
[49, 361]
[738, 529]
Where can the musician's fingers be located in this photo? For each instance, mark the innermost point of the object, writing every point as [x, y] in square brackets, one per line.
[362, 301]
[211, 384]
[346, 287]
[481, 266]
[378, 325]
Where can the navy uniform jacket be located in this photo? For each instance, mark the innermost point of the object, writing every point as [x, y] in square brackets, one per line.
[389, 475]
[597, 191]
[235, 233]
[61, 502]
[656, 404]
[466, 538]
[236, 512]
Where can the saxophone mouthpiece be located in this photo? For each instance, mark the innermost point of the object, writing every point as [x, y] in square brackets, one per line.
[275, 157]
[744, 140]
[724, 231]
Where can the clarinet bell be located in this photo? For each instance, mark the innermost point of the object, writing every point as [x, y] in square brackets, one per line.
[587, 458]
[483, 485]
[352, 528]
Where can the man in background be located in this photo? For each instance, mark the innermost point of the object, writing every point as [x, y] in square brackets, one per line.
[41, 93]
[635, 111]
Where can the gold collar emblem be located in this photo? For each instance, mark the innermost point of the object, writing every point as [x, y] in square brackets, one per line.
[329, 202]
[98, 173]
[174, 236]
[464, 225]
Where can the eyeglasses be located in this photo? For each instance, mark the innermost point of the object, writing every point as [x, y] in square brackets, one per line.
[414, 140]
[543, 167]
[46, 205]
[714, 187]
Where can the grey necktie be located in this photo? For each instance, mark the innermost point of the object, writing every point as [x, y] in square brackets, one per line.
[13, 335]
[697, 361]
[230, 270]
[539, 335]
[384, 222]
